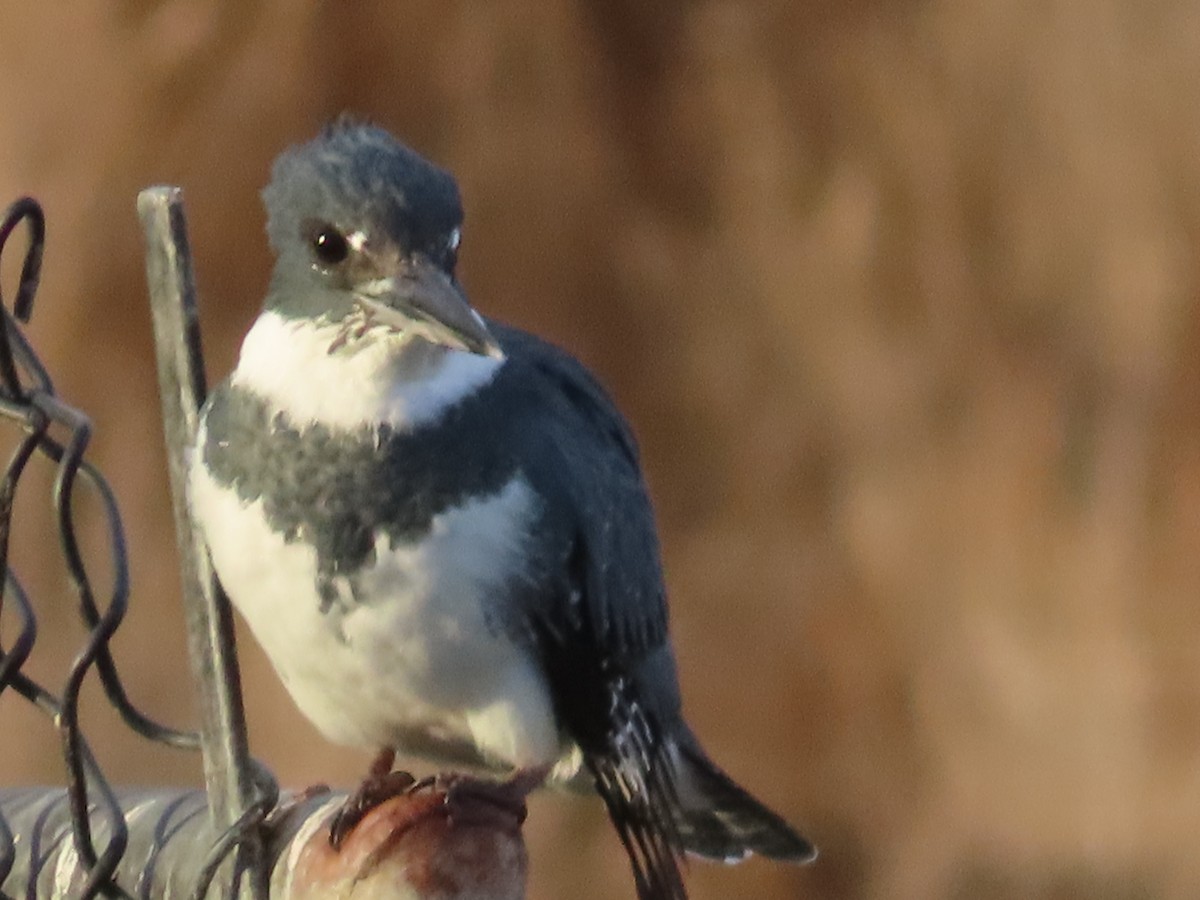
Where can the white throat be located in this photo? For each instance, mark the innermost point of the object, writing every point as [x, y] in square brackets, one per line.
[401, 382]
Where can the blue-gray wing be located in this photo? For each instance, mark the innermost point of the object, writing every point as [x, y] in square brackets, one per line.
[582, 459]
[601, 623]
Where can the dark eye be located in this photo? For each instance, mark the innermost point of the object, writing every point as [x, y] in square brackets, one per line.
[330, 245]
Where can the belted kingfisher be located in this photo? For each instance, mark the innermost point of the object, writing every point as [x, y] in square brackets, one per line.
[436, 525]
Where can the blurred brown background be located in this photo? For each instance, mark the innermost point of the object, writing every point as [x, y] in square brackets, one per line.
[901, 298]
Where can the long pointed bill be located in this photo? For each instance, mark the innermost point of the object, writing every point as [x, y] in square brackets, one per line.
[421, 299]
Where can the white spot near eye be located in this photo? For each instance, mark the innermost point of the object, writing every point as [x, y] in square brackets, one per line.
[357, 240]
[454, 239]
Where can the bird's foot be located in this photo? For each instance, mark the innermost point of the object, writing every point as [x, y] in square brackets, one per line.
[380, 784]
[466, 799]
[484, 801]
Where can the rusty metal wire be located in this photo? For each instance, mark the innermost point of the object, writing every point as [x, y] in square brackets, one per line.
[28, 400]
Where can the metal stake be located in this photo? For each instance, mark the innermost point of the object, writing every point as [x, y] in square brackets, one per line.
[228, 769]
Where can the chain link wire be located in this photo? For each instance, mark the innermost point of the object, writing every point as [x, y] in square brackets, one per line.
[89, 809]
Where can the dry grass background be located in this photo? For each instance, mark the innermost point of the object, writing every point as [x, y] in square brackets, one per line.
[901, 298]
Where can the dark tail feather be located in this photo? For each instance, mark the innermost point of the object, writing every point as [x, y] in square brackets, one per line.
[639, 804]
[718, 820]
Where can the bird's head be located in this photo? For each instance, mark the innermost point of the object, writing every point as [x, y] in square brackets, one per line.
[366, 235]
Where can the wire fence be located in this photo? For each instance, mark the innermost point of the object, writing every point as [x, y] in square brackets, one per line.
[238, 838]
[89, 808]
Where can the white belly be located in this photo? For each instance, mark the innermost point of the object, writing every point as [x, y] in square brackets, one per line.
[419, 665]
